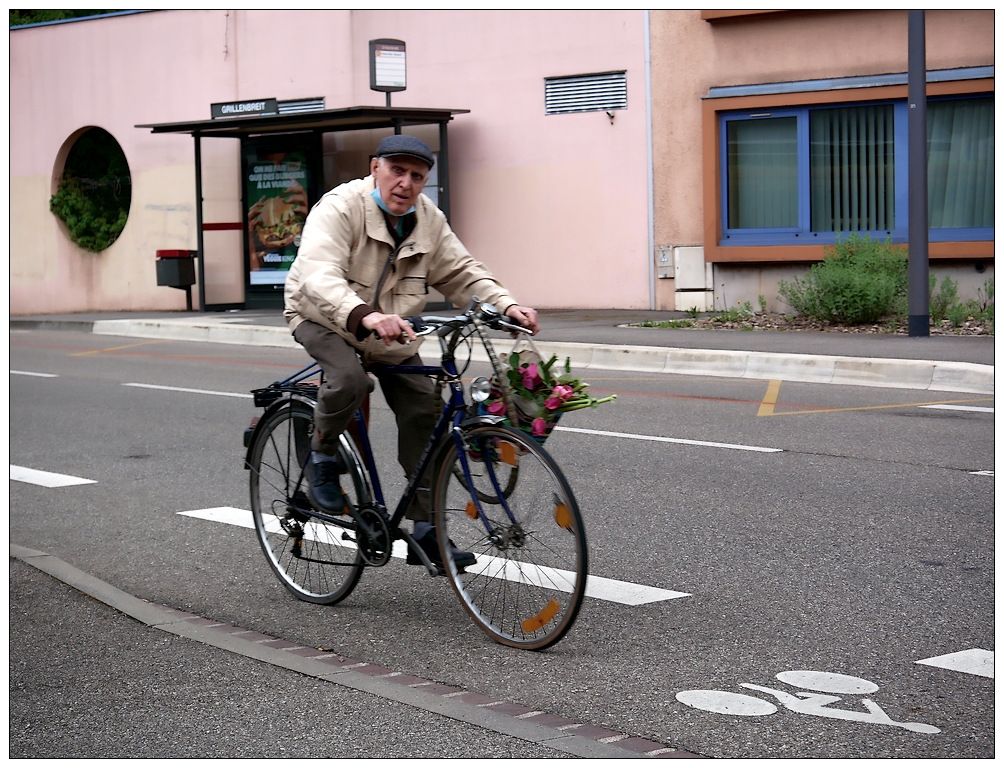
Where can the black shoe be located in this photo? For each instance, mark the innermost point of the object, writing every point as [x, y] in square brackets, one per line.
[430, 546]
[323, 486]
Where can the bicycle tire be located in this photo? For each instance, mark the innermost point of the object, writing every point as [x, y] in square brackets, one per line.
[307, 553]
[527, 586]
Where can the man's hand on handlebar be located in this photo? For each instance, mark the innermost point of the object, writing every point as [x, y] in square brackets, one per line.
[524, 316]
[390, 328]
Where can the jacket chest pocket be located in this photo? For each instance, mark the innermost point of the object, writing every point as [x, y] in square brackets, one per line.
[414, 285]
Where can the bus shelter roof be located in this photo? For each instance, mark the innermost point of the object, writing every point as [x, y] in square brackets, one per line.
[346, 119]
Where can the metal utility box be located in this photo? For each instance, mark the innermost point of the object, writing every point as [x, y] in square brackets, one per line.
[176, 269]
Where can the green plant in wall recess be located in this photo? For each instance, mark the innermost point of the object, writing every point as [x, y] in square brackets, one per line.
[94, 191]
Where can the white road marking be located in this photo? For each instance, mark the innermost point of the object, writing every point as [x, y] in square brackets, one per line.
[46, 479]
[186, 389]
[601, 588]
[40, 375]
[726, 703]
[987, 472]
[975, 661]
[827, 682]
[679, 440]
[973, 408]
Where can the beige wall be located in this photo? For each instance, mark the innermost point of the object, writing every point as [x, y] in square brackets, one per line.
[556, 206]
[690, 56]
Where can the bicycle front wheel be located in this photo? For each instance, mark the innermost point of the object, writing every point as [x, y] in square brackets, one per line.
[307, 553]
[524, 527]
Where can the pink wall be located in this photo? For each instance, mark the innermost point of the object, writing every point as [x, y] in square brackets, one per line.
[557, 206]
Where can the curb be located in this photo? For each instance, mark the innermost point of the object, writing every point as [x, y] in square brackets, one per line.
[518, 721]
[933, 375]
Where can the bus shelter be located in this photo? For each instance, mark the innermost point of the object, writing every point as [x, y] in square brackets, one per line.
[288, 154]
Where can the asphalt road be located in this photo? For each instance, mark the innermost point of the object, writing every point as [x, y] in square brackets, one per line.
[863, 546]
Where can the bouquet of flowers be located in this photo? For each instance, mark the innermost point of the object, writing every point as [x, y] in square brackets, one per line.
[538, 394]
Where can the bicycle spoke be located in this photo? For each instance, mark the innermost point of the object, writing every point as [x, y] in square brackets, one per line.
[304, 549]
[529, 579]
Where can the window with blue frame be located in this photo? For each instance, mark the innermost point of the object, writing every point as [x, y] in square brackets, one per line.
[808, 174]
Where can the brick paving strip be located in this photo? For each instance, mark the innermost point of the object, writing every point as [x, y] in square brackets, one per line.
[505, 717]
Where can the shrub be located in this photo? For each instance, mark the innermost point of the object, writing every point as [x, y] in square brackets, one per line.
[860, 280]
[743, 312]
[944, 301]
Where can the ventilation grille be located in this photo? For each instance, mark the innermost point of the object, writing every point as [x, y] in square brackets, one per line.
[295, 106]
[585, 93]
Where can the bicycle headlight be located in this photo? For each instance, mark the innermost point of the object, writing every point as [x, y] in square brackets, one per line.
[481, 389]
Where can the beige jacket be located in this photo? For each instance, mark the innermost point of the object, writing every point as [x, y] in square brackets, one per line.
[343, 250]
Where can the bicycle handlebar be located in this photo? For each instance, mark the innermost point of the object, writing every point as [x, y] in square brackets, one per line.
[485, 312]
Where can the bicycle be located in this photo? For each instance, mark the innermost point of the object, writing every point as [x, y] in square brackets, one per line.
[495, 492]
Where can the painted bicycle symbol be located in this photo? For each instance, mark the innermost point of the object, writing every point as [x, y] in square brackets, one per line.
[812, 701]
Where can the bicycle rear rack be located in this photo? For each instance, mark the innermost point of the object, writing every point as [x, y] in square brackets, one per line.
[298, 383]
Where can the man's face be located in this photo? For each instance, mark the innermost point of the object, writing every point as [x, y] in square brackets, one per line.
[400, 180]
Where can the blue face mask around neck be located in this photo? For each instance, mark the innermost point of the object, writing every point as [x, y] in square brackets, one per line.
[383, 206]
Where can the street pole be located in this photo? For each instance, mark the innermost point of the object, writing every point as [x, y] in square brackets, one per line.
[918, 302]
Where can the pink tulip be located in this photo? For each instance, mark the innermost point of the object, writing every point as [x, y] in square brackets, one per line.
[563, 392]
[531, 377]
[538, 427]
[497, 408]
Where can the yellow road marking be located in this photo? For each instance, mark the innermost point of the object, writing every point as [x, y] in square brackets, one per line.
[770, 399]
[879, 407]
[115, 349]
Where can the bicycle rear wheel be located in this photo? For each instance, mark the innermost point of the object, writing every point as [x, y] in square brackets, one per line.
[527, 585]
[307, 553]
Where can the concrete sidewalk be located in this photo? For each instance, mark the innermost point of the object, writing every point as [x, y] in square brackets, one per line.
[602, 339]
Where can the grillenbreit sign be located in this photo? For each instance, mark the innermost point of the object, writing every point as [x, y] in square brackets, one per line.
[243, 108]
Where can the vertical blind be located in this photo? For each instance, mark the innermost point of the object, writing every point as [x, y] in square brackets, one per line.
[763, 173]
[851, 169]
[960, 163]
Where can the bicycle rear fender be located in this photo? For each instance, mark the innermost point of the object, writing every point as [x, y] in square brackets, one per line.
[275, 406]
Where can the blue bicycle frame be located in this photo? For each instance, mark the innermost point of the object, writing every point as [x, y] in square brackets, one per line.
[450, 419]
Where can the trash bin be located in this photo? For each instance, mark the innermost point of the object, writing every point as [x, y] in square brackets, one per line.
[176, 269]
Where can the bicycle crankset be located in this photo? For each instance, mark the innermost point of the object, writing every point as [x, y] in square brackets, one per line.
[372, 535]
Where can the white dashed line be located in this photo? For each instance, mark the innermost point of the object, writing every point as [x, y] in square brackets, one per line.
[45, 479]
[973, 408]
[610, 590]
[681, 441]
[40, 375]
[186, 389]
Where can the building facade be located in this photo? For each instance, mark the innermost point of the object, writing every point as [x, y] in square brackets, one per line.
[596, 159]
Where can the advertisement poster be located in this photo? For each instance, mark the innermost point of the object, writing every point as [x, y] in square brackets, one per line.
[276, 190]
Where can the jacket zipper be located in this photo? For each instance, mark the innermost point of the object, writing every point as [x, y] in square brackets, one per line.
[383, 275]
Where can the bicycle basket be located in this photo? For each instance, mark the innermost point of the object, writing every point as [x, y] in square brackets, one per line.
[525, 371]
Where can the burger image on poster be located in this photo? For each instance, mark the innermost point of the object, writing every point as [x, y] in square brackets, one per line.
[278, 224]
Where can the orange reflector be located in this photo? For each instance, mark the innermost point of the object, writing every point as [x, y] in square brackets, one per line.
[507, 454]
[472, 510]
[562, 516]
[536, 622]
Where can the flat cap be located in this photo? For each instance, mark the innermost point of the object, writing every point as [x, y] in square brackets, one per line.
[410, 146]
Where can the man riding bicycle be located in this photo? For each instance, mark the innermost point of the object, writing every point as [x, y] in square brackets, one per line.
[368, 253]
